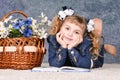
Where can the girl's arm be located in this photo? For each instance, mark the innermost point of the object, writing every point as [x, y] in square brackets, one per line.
[81, 56]
[57, 54]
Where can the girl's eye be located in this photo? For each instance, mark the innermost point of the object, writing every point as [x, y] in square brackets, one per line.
[67, 28]
[77, 32]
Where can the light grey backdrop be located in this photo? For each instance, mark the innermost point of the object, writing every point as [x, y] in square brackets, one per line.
[107, 10]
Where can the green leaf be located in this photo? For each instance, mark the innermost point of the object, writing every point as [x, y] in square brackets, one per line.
[14, 33]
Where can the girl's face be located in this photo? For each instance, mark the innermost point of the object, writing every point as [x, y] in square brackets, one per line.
[71, 32]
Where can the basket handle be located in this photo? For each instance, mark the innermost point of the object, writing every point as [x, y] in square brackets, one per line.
[12, 12]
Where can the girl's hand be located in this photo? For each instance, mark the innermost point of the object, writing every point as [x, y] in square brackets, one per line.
[75, 43]
[59, 39]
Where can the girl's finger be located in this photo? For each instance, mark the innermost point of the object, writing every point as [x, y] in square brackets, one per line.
[58, 34]
[61, 36]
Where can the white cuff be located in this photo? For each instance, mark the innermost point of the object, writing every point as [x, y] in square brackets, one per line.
[91, 63]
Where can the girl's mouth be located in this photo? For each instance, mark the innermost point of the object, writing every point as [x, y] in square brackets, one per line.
[67, 40]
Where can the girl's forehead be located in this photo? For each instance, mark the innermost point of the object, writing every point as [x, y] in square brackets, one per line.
[73, 23]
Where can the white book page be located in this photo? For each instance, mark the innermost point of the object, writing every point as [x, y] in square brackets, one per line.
[62, 69]
[74, 69]
[45, 69]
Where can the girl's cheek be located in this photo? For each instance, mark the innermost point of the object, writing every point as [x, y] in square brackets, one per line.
[78, 38]
[61, 32]
[75, 39]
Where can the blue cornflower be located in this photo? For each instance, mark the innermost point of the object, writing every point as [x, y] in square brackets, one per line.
[17, 25]
[27, 22]
[27, 32]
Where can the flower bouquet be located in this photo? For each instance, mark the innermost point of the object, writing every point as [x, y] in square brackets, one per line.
[22, 41]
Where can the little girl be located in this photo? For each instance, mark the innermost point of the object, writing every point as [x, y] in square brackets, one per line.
[71, 42]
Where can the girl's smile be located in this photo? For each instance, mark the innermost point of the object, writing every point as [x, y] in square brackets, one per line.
[67, 40]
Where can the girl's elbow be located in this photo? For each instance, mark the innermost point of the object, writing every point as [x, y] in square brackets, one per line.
[86, 65]
[55, 64]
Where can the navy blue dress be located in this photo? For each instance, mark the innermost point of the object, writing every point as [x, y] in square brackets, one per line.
[78, 56]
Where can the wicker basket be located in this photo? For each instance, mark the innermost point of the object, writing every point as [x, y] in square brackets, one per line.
[21, 53]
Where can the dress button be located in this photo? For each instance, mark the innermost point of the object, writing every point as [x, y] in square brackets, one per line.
[72, 52]
[59, 49]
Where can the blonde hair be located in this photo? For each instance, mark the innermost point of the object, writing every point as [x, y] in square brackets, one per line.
[78, 20]
[95, 45]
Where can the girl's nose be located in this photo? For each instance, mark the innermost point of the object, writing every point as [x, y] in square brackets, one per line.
[70, 33]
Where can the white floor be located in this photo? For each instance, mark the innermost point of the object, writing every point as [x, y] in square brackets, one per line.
[107, 72]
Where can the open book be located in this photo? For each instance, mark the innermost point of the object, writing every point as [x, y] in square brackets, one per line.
[61, 69]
